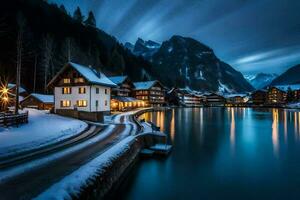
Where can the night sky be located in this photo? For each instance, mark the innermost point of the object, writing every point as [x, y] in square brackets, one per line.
[251, 35]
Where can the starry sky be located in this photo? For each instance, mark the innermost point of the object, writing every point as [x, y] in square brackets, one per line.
[251, 35]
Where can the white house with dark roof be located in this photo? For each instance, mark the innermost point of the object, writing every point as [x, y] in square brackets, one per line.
[81, 92]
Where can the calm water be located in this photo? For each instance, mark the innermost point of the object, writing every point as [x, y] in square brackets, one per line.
[222, 153]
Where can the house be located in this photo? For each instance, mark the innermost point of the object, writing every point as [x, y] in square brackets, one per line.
[151, 92]
[81, 92]
[38, 101]
[236, 99]
[213, 99]
[121, 96]
[172, 97]
[275, 96]
[258, 97]
[187, 98]
[294, 88]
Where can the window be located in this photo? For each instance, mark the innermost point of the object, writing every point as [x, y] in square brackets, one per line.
[105, 91]
[97, 90]
[66, 90]
[65, 103]
[79, 80]
[81, 90]
[67, 80]
[81, 103]
[105, 102]
[97, 103]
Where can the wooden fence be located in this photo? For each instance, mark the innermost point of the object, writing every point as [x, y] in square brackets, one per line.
[9, 119]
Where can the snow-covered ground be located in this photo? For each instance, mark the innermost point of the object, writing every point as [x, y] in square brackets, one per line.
[42, 129]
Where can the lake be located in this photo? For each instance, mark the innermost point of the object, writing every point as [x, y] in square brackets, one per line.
[221, 153]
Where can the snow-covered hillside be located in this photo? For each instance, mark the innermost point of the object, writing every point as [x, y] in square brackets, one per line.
[260, 80]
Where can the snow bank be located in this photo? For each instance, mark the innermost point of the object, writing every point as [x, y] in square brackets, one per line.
[73, 183]
[42, 129]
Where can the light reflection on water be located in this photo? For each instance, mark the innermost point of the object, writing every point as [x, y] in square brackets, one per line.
[222, 153]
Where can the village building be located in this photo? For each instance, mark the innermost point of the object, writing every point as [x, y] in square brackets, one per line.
[189, 99]
[213, 99]
[236, 99]
[275, 96]
[38, 101]
[294, 88]
[121, 96]
[258, 97]
[81, 92]
[151, 92]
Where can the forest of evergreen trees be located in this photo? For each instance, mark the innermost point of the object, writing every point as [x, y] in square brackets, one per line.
[50, 37]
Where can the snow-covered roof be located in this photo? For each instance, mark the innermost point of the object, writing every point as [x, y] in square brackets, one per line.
[43, 97]
[234, 95]
[126, 99]
[286, 87]
[11, 85]
[144, 85]
[118, 79]
[92, 75]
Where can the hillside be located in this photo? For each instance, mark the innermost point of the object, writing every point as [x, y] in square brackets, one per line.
[291, 76]
[185, 62]
[53, 38]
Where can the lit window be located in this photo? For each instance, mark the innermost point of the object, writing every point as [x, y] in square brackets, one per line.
[79, 80]
[81, 103]
[81, 90]
[67, 80]
[65, 103]
[66, 90]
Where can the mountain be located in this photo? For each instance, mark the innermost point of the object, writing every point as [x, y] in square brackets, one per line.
[291, 76]
[260, 80]
[185, 62]
[143, 48]
[51, 37]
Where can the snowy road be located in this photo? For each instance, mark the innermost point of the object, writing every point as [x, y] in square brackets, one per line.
[30, 179]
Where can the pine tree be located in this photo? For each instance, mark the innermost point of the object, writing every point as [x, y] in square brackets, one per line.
[290, 95]
[78, 15]
[62, 7]
[90, 21]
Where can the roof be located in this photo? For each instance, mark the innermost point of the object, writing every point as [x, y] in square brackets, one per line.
[11, 85]
[90, 74]
[42, 97]
[118, 79]
[126, 99]
[285, 88]
[234, 95]
[144, 85]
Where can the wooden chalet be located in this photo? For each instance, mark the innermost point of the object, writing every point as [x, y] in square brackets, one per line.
[213, 99]
[151, 92]
[275, 96]
[258, 97]
[121, 96]
[38, 101]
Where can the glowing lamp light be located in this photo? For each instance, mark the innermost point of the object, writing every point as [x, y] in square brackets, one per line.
[5, 99]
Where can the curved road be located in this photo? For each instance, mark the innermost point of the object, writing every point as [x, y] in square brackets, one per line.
[29, 179]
